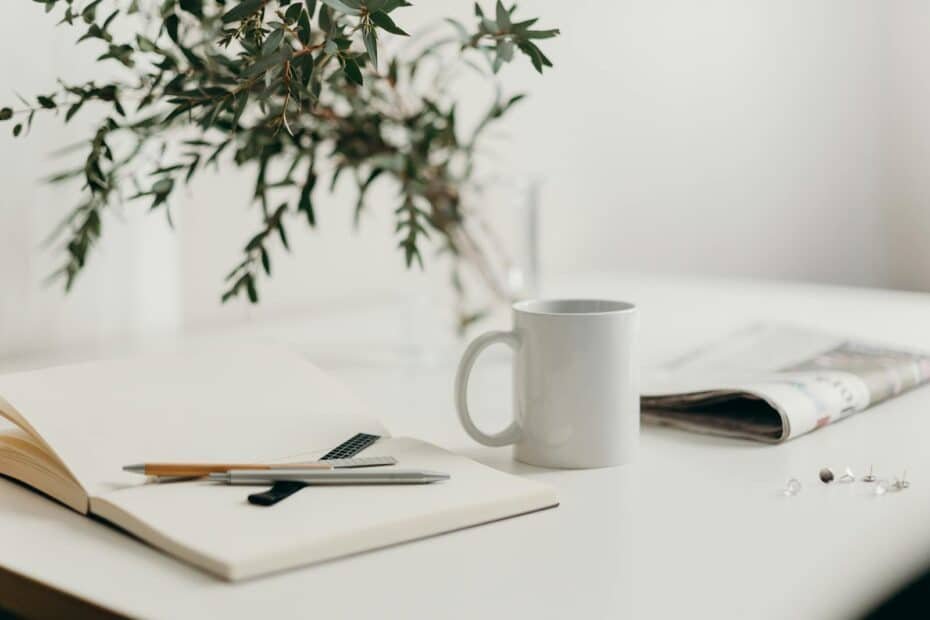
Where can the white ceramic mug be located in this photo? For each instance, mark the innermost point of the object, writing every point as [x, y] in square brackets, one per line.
[575, 383]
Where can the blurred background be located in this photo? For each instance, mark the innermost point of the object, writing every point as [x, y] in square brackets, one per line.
[768, 139]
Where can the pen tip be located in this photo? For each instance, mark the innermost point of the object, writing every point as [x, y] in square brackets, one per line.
[135, 469]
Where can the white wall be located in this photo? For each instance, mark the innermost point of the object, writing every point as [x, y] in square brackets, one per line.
[131, 286]
[734, 137]
[908, 201]
[748, 137]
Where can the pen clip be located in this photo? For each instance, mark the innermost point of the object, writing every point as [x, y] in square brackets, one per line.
[280, 490]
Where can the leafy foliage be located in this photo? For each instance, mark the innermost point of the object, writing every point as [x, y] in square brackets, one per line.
[281, 86]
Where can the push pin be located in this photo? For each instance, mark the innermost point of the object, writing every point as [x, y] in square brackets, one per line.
[882, 487]
[847, 476]
[901, 483]
[792, 487]
[869, 477]
[826, 475]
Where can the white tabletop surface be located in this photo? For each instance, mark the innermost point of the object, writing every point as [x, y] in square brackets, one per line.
[694, 529]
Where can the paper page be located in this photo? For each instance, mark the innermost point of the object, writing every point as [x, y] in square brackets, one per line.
[746, 356]
[221, 403]
[212, 526]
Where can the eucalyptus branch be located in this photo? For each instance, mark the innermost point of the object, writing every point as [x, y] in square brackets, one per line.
[268, 85]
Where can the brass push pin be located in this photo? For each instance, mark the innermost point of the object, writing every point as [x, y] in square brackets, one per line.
[869, 477]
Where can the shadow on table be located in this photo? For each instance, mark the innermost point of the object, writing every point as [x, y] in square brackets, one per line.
[502, 458]
[912, 601]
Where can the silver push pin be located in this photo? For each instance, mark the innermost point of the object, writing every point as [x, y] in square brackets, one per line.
[826, 475]
[792, 487]
[847, 476]
[869, 477]
[901, 483]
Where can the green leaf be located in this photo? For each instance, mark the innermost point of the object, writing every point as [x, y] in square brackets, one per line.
[46, 102]
[73, 110]
[163, 187]
[90, 12]
[272, 42]
[194, 7]
[145, 44]
[536, 56]
[303, 28]
[389, 5]
[352, 72]
[513, 100]
[311, 7]
[266, 260]
[371, 45]
[255, 242]
[362, 191]
[411, 252]
[306, 205]
[241, 11]
[304, 64]
[342, 7]
[109, 20]
[267, 62]
[505, 50]
[241, 100]
[6, 114]
[326, 18]
[541, 34]
[339, 170]
[518, 27]
[383, 21]
[503, 17]
[293, 13]
[192, 169]
[250, 289]
[171, 25]
[94, 32]
[545, 61]
[17, 129]
[282, 234]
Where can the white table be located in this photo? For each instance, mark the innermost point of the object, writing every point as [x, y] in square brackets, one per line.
[695, 528]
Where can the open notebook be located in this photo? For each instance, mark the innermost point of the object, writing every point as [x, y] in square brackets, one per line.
[72, 428]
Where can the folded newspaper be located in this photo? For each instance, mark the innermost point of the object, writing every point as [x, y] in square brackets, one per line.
[773, 382]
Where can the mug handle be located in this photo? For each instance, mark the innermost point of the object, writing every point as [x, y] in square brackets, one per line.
[509, 435]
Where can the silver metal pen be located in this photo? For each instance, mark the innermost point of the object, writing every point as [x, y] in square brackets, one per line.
[334, 477]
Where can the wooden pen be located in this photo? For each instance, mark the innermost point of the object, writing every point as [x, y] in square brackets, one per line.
[196, 470]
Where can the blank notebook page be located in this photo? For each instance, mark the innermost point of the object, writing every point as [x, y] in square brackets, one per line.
[212, 525]
[223, 403]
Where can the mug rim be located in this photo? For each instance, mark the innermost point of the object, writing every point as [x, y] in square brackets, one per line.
[536, 307]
